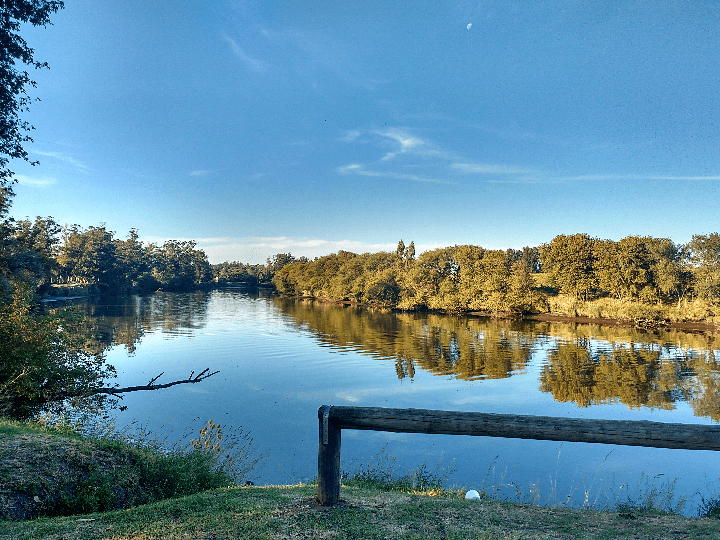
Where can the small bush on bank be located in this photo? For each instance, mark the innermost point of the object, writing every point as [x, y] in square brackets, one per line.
[51, 470]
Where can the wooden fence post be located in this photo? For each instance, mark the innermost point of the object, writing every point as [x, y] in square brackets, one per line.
[328, 458]
[624, 432]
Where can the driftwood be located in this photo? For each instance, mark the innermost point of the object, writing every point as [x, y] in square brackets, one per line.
[623, 432]
[204, 374]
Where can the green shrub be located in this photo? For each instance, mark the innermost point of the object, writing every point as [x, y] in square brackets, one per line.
[64, 473]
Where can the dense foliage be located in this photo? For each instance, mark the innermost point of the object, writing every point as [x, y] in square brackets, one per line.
[645, 269]
[453, 279]
[47, 253]
[44, 364]
[471, 278]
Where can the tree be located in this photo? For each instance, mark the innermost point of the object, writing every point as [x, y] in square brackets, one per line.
[530, 257]
[570, 261]
[14, 99]
[89, 255]
[287, 280]
[494, 278]
[132, 261]
[410, 251]
[424, 279]
[28, 249]
[44, 362]
[705, 256]
[278, 261]
[400, 251]
[343, 284]
[671, 274]
[178, 265]
[382, 290]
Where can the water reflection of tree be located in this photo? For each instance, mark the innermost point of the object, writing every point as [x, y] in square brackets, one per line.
[586, 364]
[632, 374]
[125, 319]
[704, 387]
[460, 347]
[637, 374]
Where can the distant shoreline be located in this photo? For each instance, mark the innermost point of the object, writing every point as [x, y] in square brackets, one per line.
[650, 324]
[675, 325]
[71, 292]
[55, 292]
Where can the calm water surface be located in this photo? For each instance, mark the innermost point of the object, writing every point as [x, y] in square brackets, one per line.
[281, 359]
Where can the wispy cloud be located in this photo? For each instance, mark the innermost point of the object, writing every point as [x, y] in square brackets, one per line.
[360, 170]
[253, 64]
[200, 173]
[640, 177]
[63, 157]
[352, 135]
[489, 168]
[35, 181]
[256, 250]
[410, 144]
[413, 152]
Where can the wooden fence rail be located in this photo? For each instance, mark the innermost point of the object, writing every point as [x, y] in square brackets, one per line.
[333, 419]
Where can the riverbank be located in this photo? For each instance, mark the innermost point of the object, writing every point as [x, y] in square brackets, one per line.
[53, 469]
[57, 292]
[292, 512]
[689, 315]
[36, 464]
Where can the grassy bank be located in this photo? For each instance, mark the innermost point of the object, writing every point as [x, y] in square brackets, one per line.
[291, 512]
[691, 311]
[52, 470]
[56, 469]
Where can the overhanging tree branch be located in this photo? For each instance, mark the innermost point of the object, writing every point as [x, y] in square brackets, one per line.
[204, 374]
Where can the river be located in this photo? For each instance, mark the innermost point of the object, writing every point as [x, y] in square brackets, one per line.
[280, 359]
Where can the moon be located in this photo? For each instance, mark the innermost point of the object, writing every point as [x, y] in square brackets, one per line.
[469, 26]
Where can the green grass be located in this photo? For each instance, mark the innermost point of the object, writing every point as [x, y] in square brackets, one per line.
[292, 512]
[379, 473]
[375, 501]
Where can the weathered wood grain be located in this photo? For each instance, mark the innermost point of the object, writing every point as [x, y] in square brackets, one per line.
[328, 463]
[621, 432]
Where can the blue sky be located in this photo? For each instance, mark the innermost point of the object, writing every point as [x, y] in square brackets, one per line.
[264, 127]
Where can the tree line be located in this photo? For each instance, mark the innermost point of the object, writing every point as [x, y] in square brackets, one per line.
[47, 253]
[252, 274]
[645, 269]
[470, 278]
